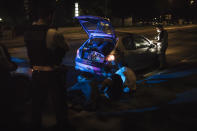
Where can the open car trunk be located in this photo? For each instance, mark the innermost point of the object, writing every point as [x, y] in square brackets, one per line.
[96, 49]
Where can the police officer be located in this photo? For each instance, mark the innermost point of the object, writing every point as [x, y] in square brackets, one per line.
[162, 43]
[46, 47]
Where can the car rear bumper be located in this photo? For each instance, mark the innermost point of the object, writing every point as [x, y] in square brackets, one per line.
[91, 67]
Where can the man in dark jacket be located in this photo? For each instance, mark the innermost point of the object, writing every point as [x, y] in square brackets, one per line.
[46, 47]
[162, 44]
[7, 90]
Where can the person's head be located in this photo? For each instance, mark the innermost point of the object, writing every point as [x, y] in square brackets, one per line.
[43, 9]
[46, 15]
[159, 28]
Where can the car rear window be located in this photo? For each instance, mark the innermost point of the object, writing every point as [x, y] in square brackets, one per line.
[101, 45]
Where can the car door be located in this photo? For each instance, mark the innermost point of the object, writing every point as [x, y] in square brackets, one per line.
[143, 48]
[137, 53]
[130, 53]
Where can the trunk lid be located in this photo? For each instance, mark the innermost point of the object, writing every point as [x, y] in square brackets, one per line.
[96, 26]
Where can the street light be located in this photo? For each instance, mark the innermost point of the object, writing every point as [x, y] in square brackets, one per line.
[191, 2]
[1, 19]
[76, 9]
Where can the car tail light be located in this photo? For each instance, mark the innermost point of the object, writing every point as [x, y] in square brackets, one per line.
[78, 54]
[110, 58]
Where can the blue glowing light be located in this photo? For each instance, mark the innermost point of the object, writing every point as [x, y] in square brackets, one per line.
[144, 109]
[84, 87]
[87, 68]
[96, 26]
[187, 96]
[105, 93]
[17, 60]
[173, 75]
[126, 90]
[159, 78]
[24, 70]
[121, 73]
[155, 81]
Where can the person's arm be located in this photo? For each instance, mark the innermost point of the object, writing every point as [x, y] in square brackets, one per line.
[5, 60]
[159, 39]
[59, 41]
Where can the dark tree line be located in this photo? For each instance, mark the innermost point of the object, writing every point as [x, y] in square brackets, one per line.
[145, 9]
[13, 11]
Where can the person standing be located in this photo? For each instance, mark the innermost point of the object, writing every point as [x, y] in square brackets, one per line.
[7, 90]
[46, 48]
[162, 43]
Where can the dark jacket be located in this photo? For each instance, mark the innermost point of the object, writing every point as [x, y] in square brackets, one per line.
[39, 54]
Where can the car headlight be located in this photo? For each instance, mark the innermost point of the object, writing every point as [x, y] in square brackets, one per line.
[110, 58]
